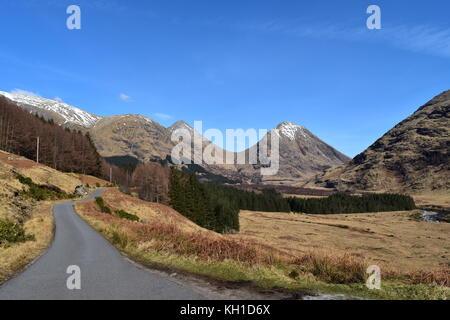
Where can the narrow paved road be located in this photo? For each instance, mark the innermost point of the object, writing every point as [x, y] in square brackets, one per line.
[105, 274]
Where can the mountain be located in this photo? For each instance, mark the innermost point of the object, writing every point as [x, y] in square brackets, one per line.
[60, 112]
[302, 155]
[131, 135]
[413, 156]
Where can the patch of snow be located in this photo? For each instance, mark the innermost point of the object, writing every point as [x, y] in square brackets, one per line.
[68, 112]
[290, 130]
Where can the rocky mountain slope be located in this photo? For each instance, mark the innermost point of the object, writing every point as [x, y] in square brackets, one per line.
[413, 156]
[301, 153]
[131, 135]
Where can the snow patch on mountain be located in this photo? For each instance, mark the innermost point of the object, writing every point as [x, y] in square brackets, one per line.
[290, 130]
[69, 113]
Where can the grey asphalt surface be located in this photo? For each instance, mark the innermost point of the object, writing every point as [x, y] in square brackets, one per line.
[105, 273]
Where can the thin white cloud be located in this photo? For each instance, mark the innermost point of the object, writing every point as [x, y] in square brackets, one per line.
[163, 116]
[124, 97]
[24, 93]
[58, 99]
[425, 39]
[421, 38]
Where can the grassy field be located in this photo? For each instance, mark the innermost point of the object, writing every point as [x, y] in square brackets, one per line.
[393, 239]
[433, 199]
[164, 239]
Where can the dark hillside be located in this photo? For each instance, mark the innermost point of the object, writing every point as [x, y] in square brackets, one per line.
[59, 148]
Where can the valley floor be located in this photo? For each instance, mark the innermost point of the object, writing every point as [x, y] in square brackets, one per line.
[395, 239]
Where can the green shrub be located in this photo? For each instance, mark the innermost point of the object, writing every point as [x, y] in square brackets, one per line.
[24, 180]
[125, 215]
[11, 232]
[97, 185]
[102, 205]
[41, 193]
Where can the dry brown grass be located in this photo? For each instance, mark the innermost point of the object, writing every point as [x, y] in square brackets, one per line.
[40, 174]
[15, 257]
[332, 268]
[8, 187]
[433, 199]
[90, 180]
[147, 211]
[393, 239]
[440, 277]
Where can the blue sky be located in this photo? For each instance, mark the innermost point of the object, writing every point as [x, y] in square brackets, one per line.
[234, 64]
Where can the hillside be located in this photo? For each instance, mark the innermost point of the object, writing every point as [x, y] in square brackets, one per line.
[11, 164]
[60, 112]
[59, 148]
[13, 206]
[412, 157]
[131, 135]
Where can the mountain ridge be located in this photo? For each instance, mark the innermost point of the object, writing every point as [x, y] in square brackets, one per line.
[62, 113]
[302, 153]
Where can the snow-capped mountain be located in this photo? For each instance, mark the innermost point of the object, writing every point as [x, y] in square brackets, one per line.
[302, 154]
[59, 111]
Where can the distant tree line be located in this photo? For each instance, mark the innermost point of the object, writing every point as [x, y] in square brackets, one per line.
[344, 203]
[59, 148]
[268, 200]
